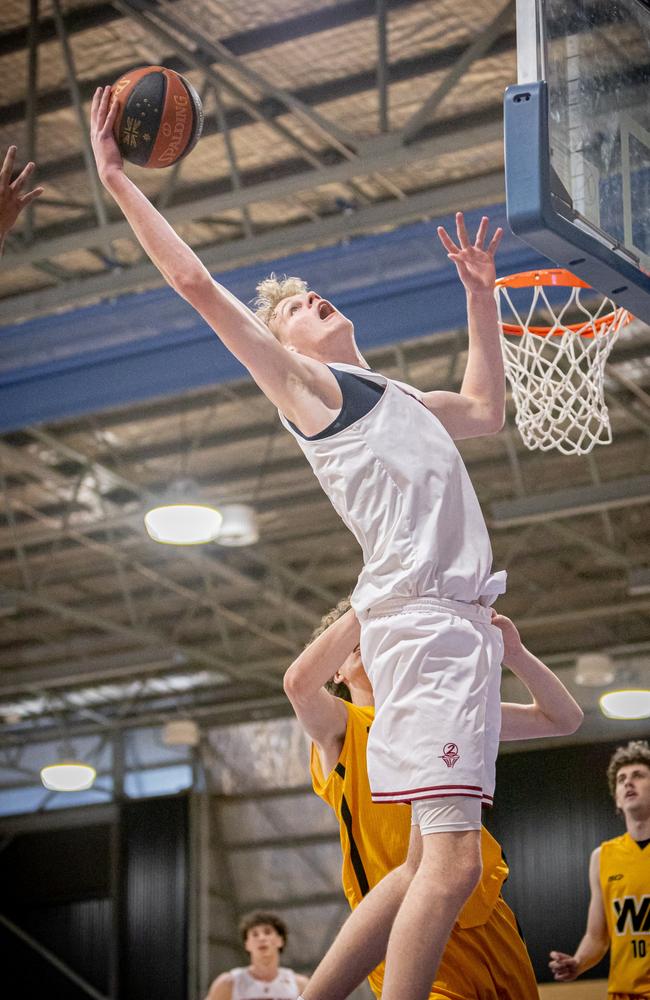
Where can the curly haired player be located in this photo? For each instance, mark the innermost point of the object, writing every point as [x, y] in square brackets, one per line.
[619, 877]
[264, 936]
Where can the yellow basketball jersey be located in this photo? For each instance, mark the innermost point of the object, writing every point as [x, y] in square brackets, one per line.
[485, 952]
[625, 884]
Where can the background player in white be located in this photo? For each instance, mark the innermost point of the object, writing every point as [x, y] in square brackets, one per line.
[619, 878]
[264, 936]
[396, 478]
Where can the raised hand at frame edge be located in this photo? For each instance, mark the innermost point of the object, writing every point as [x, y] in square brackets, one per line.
[12, 199]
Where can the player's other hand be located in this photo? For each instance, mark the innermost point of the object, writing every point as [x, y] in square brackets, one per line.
[564, 967]
[12, 199]
[474, 261]
[102, 118]
[512, 643]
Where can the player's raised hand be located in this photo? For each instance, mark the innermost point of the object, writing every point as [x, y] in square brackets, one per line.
[102, 117]
[12, 199]
[564, 967]
[474, 261]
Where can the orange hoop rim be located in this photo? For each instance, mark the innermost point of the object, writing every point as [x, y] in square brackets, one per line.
[558, 277]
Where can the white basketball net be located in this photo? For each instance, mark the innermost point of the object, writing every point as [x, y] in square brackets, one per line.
[557, 378]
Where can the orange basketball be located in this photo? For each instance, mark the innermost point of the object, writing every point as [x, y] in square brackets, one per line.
[160, 117]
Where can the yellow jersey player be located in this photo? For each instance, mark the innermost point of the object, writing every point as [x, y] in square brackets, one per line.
[485, 955]
[619, 877]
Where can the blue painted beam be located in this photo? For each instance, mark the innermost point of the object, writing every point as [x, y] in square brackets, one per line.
[394, 286]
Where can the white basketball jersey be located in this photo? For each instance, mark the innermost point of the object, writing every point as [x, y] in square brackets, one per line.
[246, 987]
[398, 482]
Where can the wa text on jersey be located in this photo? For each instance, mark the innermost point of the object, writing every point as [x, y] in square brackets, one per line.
[632, 914]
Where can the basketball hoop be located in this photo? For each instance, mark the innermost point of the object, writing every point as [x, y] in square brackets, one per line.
[555, 354]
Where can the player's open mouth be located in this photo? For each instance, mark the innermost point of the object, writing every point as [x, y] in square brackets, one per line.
[325, 310]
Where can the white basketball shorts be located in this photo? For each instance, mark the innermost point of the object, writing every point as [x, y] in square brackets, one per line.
[435, 668]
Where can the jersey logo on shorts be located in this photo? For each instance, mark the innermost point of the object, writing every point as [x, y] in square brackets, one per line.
[450, 754]
[614, 878]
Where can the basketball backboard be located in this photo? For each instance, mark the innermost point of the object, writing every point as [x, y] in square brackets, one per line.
[577, 141]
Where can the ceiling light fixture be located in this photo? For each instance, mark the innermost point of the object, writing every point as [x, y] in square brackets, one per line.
[239, 525]
[638, 581]
[180, 520]
[68, 776]
[594, 670]
[181, 733]
[630, 704]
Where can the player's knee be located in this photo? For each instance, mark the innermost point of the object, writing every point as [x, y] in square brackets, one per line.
[461, 878]
[451, 880]
[468, 873]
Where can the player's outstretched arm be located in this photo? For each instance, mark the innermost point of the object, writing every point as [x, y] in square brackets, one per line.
[596, 939]
[12, 199]
[284, 376]
[322, 716]
[479, 407]
[553, 711]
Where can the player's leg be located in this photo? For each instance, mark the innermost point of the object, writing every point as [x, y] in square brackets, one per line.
[447, 874]
[361, 942]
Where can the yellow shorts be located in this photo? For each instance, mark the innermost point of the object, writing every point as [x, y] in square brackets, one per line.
[481, 963]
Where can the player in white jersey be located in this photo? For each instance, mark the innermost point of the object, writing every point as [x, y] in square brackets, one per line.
[385, 456]
[264, 936]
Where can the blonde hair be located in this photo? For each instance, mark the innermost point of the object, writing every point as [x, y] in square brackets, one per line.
[272, 291]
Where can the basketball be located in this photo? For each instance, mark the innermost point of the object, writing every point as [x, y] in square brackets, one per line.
[160, 117]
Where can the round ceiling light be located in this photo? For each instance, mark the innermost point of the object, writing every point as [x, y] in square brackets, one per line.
[181, 518]
[183, 524]
[630, 704]
[68, 776]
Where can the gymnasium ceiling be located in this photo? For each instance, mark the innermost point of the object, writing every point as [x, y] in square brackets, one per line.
[324, 120]
[314, 110]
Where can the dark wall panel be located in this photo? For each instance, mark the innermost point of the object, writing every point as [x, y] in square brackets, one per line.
[56, 865]
[77, 933]
[55, 887]
[552, 808]
[154, 873]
